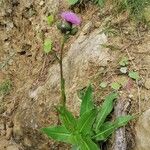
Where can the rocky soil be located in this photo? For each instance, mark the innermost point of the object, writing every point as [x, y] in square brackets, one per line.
[92, 56]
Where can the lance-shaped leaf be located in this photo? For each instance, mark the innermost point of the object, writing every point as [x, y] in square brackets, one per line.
[123, 120]
[105, 131]
[88, 144]
[105, 110]
[84, 143]
[86, 121]
[109, 127]
[59, 133]
[87, 101]
[68, 119]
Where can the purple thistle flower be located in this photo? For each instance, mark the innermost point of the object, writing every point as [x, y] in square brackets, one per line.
[71, 17]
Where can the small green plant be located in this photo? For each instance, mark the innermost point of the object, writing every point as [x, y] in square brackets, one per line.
[5, 87]
[134, 75]
[50, 19]
[124, 61]
[101, 3]
[103, 84]
[134, 7]
[115, 85]
[47, 46]
[110, 31]
[90, 127]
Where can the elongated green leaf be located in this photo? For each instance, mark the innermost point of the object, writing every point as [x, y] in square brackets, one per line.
[109, 127]
[84, 142]
[123, 120]
[87, 101]
[68, 119]
[105, 131]
[72, 2]
[86, 121]
[87, 144]
[105, 110]
[59, 133]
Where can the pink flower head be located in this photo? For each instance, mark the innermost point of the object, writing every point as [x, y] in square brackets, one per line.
[71, 17]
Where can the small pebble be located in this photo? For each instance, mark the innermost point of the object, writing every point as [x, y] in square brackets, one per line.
[131, 96]
[41, 3]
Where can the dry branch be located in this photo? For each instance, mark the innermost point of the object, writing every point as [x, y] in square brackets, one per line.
[120, 136]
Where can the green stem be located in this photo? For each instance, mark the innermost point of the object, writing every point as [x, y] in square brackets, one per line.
[62, 80]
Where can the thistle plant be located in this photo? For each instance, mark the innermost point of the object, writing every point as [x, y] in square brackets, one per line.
[90, 127]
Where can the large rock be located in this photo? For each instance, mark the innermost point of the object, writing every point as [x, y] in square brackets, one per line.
[143, 132]
[85, 58]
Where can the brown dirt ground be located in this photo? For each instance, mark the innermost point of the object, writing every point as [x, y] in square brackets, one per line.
[130, 41]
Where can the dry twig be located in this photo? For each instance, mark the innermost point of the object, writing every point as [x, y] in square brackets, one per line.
[120, 138]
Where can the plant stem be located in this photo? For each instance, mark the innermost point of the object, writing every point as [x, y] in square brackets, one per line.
[62, 80]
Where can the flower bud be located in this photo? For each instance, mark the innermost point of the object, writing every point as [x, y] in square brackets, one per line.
[64, 27]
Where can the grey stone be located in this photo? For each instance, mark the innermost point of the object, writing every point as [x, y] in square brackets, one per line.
[143, 132]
